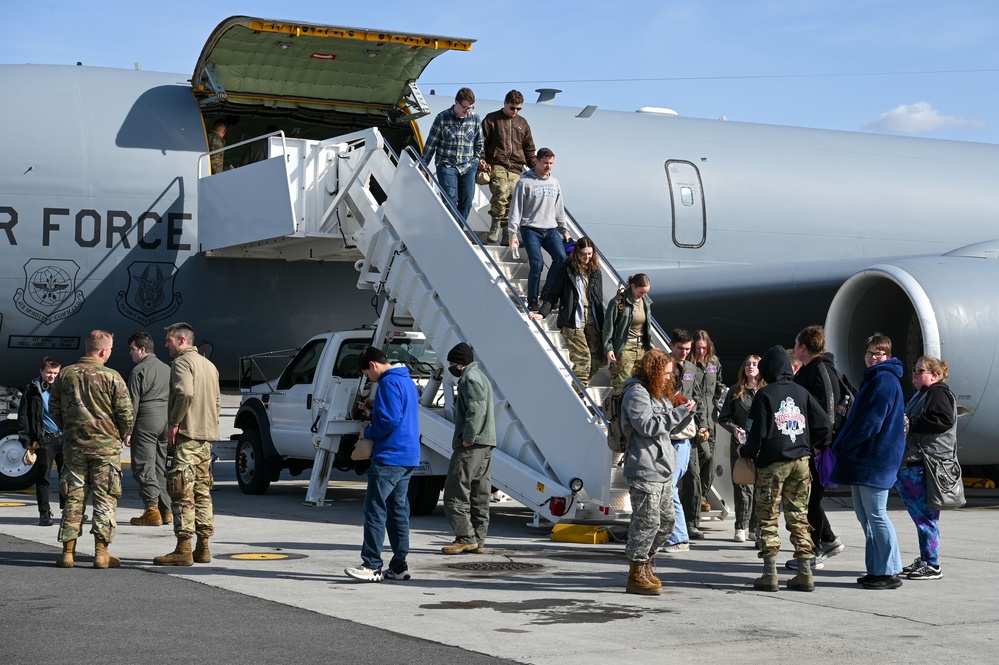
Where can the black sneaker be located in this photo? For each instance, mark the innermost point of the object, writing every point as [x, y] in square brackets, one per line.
[45, 519]
[927, 572]
[693, 533]
[399, 575]
[865, 579]
[533, 306]
[914, 566]
[882, 582]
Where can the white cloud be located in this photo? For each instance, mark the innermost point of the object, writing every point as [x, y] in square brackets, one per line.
[919, 118]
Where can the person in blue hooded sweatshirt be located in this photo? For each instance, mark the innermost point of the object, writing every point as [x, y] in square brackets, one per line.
[869, 452]
[395, 430]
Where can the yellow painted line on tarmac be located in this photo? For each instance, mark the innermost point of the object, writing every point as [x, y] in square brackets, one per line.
[12, 504]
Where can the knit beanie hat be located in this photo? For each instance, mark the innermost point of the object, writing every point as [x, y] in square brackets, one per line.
[461, 354]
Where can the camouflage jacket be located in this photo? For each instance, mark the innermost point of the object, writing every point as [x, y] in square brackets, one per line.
[92, 406]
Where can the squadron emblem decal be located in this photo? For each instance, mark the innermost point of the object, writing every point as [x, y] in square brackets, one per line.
[150, 295]
[49, 292]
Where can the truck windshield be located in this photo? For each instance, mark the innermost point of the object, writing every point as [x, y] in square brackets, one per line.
[414, 354]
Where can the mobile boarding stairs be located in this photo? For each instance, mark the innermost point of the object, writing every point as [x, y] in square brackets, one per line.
[353, 198]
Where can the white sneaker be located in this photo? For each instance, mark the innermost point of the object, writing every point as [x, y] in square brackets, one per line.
[364, 573]
[740, 535]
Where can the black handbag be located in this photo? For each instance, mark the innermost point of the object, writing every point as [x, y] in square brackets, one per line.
[944, 485]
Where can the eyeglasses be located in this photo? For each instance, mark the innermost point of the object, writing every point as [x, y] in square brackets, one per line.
[467, 108]
[920, 370]
[875, 354]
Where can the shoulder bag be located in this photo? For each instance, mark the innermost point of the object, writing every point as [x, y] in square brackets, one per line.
[944, 484]
[744, 471]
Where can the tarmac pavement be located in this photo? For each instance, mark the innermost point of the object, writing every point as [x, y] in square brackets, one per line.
[276, 592]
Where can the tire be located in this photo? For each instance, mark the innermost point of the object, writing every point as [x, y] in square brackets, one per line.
[14, 474]
[424, 494]
[251, 467]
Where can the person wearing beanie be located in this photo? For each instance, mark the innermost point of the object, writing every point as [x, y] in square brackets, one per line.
[469, 475]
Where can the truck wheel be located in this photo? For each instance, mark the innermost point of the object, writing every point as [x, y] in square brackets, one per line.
[14, 473]
[251, 468]
[424, 493]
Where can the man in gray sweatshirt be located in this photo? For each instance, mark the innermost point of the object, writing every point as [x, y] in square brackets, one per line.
[536, 211]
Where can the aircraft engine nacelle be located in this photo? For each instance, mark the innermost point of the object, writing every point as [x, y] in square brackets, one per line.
[944, 306]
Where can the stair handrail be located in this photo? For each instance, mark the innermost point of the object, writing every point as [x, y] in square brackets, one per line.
[595, 409]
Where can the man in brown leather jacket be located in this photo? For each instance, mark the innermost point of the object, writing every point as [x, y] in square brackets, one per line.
[509, 147]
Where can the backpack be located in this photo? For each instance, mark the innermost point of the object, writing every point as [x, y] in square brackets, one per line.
[839, 412]
[617, 439]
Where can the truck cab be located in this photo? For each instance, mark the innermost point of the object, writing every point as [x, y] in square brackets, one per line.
[313, 403]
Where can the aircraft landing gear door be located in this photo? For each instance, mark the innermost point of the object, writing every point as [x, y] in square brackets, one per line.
[690, 224]
[291, 405]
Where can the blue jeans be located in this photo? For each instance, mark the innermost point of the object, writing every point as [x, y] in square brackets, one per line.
[534, 241]
[459, 188]
[682, 461]
[881, 553]
[386, 506]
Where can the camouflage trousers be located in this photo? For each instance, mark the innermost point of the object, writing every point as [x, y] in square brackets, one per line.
[101, 475]
[620, 370]
[585, 351]
[652, 517]
[788, 482]
[188, 483]
[501, 184]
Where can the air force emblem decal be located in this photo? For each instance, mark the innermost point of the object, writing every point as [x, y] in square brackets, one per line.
[789, 419]
[150, 295]
[49, 292]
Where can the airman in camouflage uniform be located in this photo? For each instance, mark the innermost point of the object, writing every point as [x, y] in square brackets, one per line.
[216, 141]
[92, 406]
[193, 415]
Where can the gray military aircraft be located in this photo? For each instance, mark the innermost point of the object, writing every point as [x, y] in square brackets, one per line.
[750, 231]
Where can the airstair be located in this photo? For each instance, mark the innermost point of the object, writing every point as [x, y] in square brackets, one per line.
[353, 198]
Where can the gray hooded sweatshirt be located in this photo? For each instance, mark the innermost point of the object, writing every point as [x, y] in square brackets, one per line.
[650, 454]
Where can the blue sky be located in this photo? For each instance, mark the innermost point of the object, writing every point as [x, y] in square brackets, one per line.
[915, 67]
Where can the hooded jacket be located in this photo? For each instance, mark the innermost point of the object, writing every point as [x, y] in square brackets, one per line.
[821, 378]
[650, 454]
[869, 449]
[395, 424]
[784, 418]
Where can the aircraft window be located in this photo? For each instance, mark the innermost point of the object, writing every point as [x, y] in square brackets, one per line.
[302, 369]
[686, 196]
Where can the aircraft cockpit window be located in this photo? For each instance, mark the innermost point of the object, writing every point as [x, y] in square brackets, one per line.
[302, 370]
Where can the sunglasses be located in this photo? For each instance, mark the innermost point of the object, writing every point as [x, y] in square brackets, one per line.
[516, 108]
[919, 370]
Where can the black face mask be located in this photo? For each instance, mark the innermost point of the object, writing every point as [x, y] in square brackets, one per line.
[455, 371]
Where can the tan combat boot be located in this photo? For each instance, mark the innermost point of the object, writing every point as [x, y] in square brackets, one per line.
[768, 581]
[166, 518]
[651, 574]
[181, 555]
[201, 552]
[101, 557]
[639, 582]
[150, 517]
[68, 554]
[803, 581]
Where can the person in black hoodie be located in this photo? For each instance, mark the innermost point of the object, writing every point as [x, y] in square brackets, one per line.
[819, 376]
[784, 421]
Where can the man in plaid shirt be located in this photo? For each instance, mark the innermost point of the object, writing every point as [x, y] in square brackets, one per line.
[456, 138]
